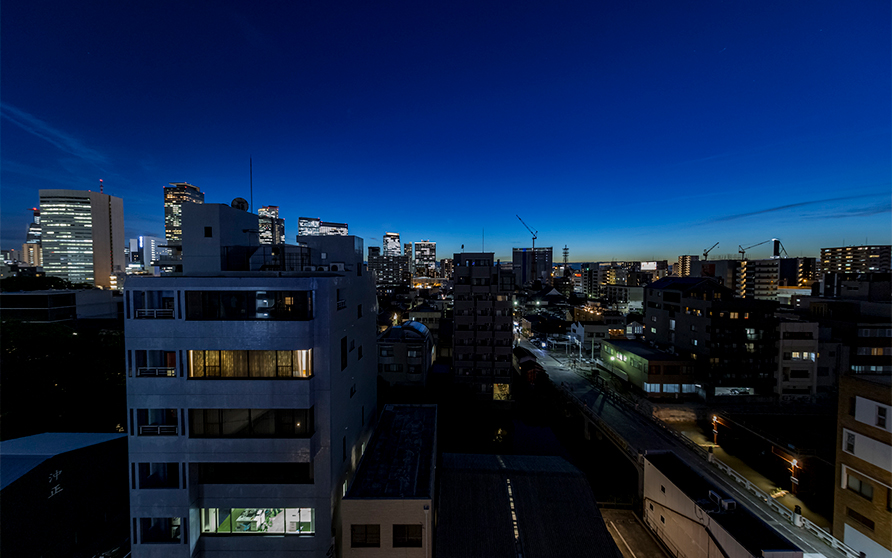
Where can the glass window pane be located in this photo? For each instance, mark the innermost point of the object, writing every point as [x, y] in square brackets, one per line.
[235, 423]
[284, 363]
[263, 364]
[263, 422]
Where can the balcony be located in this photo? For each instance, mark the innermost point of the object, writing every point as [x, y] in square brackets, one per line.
[158, 430]
[160, 314]
[156, 372]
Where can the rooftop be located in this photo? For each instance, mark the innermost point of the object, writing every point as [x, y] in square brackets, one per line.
[20, 455]
[400, 458]
[556, 512]
[642, 350]
[747, 529]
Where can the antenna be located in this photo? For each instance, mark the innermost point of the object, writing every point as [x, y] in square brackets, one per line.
[251, 175]
[100, 186]
[483, 243]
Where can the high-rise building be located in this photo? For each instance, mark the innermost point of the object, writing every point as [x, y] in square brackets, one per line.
[311, 226]
[683, 267]
[856, 258]
[83, 236]
[426, 258]
[272, 229]
[250, 394]
[34, 229]
[446, 268]
[483, 325]
[526, 260]
[32, 252]
[175, 195]
[144, 252]
[391, 244]
[389, 271]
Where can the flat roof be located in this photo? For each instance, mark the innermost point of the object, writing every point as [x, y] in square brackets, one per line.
[751, 532]
[400, 459]
[643, 350]
[553, 503]
[20, 455]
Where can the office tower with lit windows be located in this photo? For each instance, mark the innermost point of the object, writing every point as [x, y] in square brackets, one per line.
[311, 226]
[175, 195]
[272, 229]
[82, 236]
[391, 244]
[426, 258]
[251, 395]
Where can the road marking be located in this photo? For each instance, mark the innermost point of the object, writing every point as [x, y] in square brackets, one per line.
[622, 539]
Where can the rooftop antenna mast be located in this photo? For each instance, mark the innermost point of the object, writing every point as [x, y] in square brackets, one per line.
[534, 233]
[566, 255]
[251, 181]
[100, 187]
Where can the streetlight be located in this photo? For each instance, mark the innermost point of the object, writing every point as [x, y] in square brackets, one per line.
[715, 430]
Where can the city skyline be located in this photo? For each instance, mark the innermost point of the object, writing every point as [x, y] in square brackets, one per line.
[625, 132]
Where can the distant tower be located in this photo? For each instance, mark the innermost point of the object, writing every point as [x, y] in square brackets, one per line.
[175, 196]
[566, 255]
[272, 229]
[391, 244]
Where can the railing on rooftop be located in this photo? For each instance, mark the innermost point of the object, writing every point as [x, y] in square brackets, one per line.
[158, 430]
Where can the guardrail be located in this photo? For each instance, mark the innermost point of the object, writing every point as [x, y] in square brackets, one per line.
[645, 408]
[158, 430]
[162, 314]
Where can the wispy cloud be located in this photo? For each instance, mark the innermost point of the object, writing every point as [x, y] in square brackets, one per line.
[793, 206]
[58, 138]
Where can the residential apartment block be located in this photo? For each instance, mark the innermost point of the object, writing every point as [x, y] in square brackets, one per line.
[856, 258]
[250, 396]
[483, 322]
[862, 510]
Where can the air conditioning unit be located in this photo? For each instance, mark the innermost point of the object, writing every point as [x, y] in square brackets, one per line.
[339, 266]
[309, 268]
[321, 268]
[715, 497]
[729, 505]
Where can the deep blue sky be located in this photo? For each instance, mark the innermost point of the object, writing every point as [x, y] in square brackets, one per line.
[627, 130]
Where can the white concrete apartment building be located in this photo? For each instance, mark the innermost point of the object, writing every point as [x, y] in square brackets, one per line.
[251, 395]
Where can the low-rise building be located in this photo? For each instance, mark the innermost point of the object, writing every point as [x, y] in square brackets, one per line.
[695, 518]
[405, 354]
[390, 507]
[656, 373]
[77, 482]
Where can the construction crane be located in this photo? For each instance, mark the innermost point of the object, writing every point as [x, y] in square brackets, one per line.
[534, 233]
[708, 250]
[743, 250]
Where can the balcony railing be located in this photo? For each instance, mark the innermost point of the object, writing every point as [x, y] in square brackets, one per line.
[158, 430]
[160, 314]
[156, 371]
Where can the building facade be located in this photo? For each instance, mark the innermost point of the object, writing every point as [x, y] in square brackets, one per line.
[251, 395]
[175, 195]
[83, 236]
[683, 267]
[531, 265]
[856, 258]
[483, 324]
[311, 226]
[272, 229]
[405, 354]
[391, 244]
[863, 497]
[426, 258]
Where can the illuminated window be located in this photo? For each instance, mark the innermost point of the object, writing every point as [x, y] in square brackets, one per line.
[258, 521]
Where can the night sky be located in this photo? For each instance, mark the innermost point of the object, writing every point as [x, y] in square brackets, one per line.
[626, 130]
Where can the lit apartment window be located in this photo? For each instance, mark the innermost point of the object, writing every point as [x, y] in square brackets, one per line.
[228, 365]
